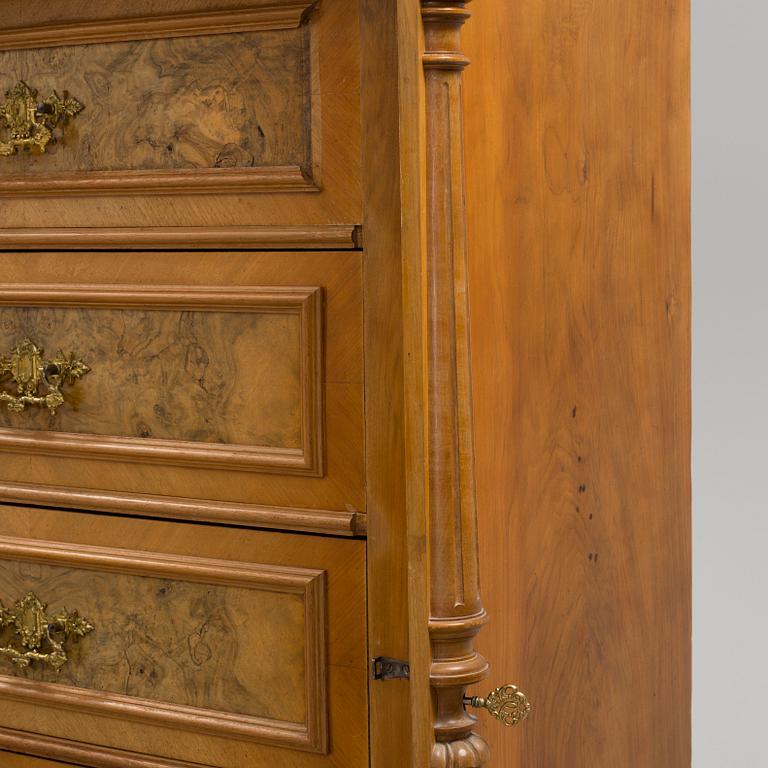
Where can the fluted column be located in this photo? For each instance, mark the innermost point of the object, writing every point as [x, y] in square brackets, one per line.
[457, 614]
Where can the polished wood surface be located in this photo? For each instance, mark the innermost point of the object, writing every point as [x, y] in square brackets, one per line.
[532, 279]
[235, 357]
[346, 522]
[578, 184]
[188, 642]
[456, 610]
[310, 149]
[393, 580]
[331, 237]
[28, 17]
[75, 22]
[233, 584]
[300, 310]
[239, 100]
[9, 760]
[76, 753]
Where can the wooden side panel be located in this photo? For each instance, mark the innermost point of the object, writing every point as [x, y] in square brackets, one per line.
[577, 127]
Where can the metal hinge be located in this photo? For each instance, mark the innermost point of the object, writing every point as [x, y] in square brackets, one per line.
[384, 668]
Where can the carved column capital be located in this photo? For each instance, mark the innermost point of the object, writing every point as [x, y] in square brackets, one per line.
[443, 21]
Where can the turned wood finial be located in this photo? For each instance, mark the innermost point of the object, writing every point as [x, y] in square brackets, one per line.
[456, 611]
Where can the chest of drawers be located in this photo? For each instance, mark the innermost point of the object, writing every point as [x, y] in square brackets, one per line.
[252, 470]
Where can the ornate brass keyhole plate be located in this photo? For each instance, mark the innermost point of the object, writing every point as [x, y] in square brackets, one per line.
[29, 122]
[38, 636]
[28, 370]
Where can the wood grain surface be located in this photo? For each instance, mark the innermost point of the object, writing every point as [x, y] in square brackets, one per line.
[398, 576]
[577, 126]
[177, 376]
[346, 522]
[306, 102]
[200, 376]
[17, 15]
[209, 645]
[331, 237]
[232, 289]
[206, 569]
[50, 751]
[212, 101]
[9, 760]
[127, 23]
[456, 612]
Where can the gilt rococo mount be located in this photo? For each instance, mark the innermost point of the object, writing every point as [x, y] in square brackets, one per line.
[30, 122]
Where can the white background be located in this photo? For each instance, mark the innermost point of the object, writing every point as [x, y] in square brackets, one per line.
[730, 383]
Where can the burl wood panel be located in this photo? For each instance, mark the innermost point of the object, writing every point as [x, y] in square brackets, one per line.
[200, 376]
[130, 549]
[212, 101]
[195, 644]
[577, 127]
[175, 365]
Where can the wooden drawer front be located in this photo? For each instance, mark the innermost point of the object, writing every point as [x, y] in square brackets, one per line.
[208, 98]
[230, 649]
[246, 389]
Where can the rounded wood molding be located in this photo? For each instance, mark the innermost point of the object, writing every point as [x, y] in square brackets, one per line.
[469, 752]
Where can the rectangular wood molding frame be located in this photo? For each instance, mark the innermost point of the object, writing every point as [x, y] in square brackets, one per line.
[309, 584]
[306, 302]
[267, 177]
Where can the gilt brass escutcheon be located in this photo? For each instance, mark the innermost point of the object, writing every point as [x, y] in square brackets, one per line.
[30, 122]
[27, 369]
[507, 704]
[38, 636]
